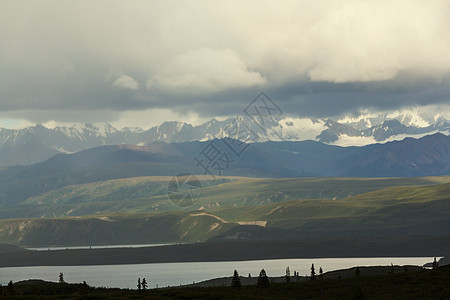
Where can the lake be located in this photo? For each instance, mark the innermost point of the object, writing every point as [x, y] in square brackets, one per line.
[173, 274]
[98, 247]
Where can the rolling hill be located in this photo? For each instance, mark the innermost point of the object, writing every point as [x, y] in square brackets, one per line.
[149, 194]
[401, 212]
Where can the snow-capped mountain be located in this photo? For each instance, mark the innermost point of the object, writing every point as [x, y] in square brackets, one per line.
[34, 144]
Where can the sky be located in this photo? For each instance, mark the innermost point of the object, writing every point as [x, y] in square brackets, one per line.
[139, 63]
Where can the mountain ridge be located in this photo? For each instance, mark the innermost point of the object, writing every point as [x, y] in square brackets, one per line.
[410, 157]
[34, 144]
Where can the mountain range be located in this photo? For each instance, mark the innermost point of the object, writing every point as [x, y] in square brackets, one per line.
[427, 156]
[35, 144]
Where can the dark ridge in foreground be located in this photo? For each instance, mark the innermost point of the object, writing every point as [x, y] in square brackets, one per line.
[394, 283]
[235, 251]
[345, 273]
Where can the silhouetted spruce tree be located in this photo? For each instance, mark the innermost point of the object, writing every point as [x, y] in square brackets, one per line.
[321, 282]
[313, 272]
[435, 264]
[10, 287]
[144, 284]
[84, 288]
[61, 278]
[139, 286]
[236, 281]
[288, 275]
[263, 280]
[357, 272]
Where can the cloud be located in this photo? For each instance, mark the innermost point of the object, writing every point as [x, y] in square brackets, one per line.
[205, 70]
[315, 58]
[153, 117]
[372, 41]
[126, 82]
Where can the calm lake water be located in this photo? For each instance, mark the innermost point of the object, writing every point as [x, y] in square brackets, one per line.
[97, 247]
[172, 274]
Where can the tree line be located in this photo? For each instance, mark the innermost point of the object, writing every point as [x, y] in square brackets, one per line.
[263, 279]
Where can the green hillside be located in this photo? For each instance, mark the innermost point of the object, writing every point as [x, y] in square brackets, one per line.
[399, 210]
[114, 229]
[436, 197]
[149, 194]
[402, 211]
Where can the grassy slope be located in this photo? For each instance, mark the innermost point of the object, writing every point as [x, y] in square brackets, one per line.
[411, 210]
[364, 204]
[115, 229]
[398, 210]
[148, 194]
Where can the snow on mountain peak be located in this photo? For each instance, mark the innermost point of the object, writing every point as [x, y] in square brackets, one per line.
[132, 129]
[365, 117]
[300, 129]
[411, 117]
[347, 131]
[104, 129]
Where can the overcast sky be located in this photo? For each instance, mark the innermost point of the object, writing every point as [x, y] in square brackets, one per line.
[144, 62]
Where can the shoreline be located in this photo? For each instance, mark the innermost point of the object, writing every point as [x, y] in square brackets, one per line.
[233, 251]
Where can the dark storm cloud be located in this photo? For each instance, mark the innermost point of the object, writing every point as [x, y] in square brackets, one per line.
[62, 59]
[324, 99]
